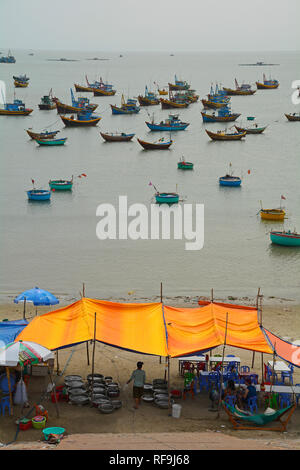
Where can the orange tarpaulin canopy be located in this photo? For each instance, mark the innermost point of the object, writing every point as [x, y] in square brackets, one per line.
[288, 351]
[194, 329]
[148, 328]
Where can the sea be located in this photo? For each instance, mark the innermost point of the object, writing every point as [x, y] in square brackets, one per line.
[54, 246]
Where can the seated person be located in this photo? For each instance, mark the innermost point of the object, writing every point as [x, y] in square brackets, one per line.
[229, 390]
[249, 392]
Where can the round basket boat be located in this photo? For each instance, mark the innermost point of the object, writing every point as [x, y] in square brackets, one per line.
[106, 408]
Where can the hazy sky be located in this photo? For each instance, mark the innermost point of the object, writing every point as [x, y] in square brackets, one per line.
[135, 25]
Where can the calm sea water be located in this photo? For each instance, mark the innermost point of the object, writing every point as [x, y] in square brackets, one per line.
[55, 246]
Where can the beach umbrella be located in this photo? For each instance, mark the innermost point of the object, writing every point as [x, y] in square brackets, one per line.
[23, 353]
[37, 297]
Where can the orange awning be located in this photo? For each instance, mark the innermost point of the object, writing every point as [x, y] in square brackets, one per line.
[288, 351]
[193, 330]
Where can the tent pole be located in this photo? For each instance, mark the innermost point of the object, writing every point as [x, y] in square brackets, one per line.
[87, 353]
[168, 358]
[83, 290]
[57, 364]
[93, 360]
[257, 308]
[54, 391]
[221, 380]
[161, 299]
[10, 394]
[212, 295]
[24, 309]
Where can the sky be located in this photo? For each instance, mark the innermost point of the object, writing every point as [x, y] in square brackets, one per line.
[150, 25]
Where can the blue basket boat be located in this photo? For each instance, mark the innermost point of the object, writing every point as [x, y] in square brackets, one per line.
[229, 180]
[39, 195]
[285, 238]
[167, 198]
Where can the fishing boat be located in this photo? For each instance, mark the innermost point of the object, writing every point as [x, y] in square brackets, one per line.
[42, 135]
[178, 85]
[162, 92]
[224, 115]
[272, 214]
[267, 84]
[9, 59]
[39, 195]
[82, 120]
[158, 145]
[149, 98]
[213, 104]
[128, 107]
[251, 130]
[183, 165]
[103, 89]
[78, 106]
[121, 137]
[172, 103]
[17, 108]
[173, 123]
[89, 88]
[51, 142]
[218, 95]
[229, 180]
[61, 185]
[47, 102]
[166, 198]
[21, 82]
[242, 90]
[285, 238]
[223, 135]
[293, 117]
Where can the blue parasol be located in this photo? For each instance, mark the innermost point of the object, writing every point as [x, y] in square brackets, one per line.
[37, 297]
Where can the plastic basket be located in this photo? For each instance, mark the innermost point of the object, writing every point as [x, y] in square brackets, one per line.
[54, 430]
[40, 423]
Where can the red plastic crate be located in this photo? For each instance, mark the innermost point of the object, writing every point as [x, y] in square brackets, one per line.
[25, 426]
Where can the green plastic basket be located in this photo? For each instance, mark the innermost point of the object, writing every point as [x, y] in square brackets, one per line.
[39, 424]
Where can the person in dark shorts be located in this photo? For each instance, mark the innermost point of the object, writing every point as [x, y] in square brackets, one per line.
[139, 377]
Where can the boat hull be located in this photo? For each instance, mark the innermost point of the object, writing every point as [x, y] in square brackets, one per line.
[212, 104]
[61, 186]
[6, 112]
[257, 130]
[99, 92]
[20, 84]
[173, 87]
[154, 146]
[285, 239]
[167, 198]
[272, 214]
[49, 142]
[84, 89]
[79, 123]
[148, 102]
[290, 117]
[234, 182]
[36, 195]
[158, 127]
[67, 109]
[232, 92]
[185, 166]
[117, 138]
[168, 104]
[225, 137]
[117, 110]
[262, 86]
[35, 136]
[210, 118]
[46, 107]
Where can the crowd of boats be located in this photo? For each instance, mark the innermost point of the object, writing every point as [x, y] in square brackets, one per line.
[178, 96]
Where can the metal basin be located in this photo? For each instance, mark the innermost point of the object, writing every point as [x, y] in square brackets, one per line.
[116, 404]
[80, 400]
[148, 398]
[106, 408]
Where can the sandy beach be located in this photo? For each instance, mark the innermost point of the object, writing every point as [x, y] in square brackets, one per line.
[282, 318]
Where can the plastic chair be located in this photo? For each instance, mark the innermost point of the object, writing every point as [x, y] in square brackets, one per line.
[287, 375]
[297, 395]
[245, 369]
[285, 400]
[252, 404]
[230, 400]
[203, 382]
[4, 383]
[5, 403]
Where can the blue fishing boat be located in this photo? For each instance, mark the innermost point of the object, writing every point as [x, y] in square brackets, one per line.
[80, 105]
[167, 198]
[224, 115]
[229, 180]
[149, 99]
[17, 108]
[9, 59]
[128, 107]
[39, 195]
[285, 238]
[51, 142]
[173, 123]
[178, 85]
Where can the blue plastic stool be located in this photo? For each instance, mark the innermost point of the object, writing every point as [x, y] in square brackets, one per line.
[5, 403]
[285, 400]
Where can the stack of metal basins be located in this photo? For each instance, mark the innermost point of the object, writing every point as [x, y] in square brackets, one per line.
[160, 393]
[148, 393]
[103, 393]
[76, 390]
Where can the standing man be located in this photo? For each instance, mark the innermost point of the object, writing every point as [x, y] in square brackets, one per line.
[139, 377]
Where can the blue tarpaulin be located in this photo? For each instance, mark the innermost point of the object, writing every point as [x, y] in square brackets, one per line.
[9, 330]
